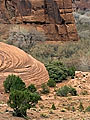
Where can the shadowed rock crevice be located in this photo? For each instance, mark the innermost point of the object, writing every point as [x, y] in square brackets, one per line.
[51, 8]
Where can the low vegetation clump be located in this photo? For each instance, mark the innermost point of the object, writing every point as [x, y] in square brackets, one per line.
[32, 88]
[13, 82]
[53, 107]
[45, 89]
[65, 90]
[51, 83]
[44, 115]
[59, 72]
[73, 109]
[88, 109]
[81, 108]
[71, 71]
[21, 98]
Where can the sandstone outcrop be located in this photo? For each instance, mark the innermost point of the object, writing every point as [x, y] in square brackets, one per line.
[81, 4]
[15, 61]
[54, 17]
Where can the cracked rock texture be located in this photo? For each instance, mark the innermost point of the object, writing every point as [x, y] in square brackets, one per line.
[54, 17]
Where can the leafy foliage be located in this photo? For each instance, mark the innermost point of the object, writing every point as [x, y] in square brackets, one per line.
[71, 71]
[57, 71]
[45, 89]
[63, 91]
[32, 88]
[51, 83]
[20, 101]
[72, 91]
[13, 82]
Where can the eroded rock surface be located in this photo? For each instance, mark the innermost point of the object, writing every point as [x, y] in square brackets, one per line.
[81, 4]
[15, 61]
[54, 17]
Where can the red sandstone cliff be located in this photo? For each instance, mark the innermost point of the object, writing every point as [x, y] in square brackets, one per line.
[54, 17]
[81, 4]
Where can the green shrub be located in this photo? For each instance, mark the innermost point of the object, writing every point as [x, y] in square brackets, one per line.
[73, 109]
[45, 89]
[57, 71]
[51, 83]
[71, 71]
[53, 107]
[81, 108]
[20, 101]
[72, 91]
[88, 109]
[13, 82]
[32, 88]
[63, 91]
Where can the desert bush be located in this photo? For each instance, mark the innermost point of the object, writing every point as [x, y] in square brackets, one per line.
[32, 88]
[45, 89]
[57, 71]
[73, 109]
[51, 83]
[13, 82]
[63, 91]
[53, 107]
[72, 91]
[71, 71]
[81, 108]
[88, 109]
[20, 101]
[25, 39]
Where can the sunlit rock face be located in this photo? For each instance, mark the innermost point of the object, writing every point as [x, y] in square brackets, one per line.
[53, 17]
[15, 61]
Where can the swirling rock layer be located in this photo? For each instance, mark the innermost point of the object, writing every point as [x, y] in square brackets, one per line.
[15, 61]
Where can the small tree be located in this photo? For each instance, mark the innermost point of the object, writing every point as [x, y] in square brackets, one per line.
[20, 101]
[32, 88]
[13, 82]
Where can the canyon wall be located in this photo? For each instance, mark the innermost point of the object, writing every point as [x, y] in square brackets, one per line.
[81, 4]
[53, 17]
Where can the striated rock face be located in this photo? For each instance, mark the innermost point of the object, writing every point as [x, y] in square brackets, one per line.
[81, 4]
[54, 17]
[15, 61]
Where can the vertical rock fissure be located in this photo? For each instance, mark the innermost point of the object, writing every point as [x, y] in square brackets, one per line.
[64, 12]
[51, 8]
